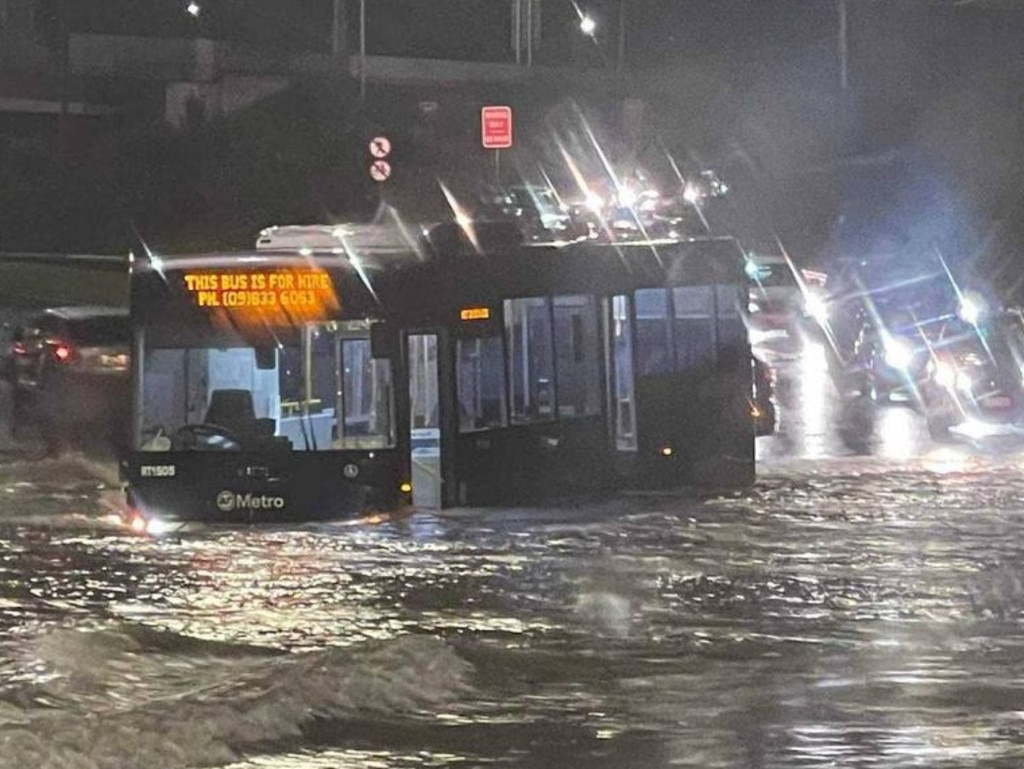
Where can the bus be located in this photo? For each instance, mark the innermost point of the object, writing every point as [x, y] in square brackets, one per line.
[336, 370]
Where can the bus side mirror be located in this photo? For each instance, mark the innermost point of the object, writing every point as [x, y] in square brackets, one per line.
[266, 358]
[383, 341]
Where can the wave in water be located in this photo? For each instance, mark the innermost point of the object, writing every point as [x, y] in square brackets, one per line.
[125, 697]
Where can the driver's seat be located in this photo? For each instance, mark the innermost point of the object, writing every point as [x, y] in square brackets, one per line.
[232, 410]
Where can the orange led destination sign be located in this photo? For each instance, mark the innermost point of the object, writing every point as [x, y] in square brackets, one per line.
[291, 288]
[475, 313]
[263, 298]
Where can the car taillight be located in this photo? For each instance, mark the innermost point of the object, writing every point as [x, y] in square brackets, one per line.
[64, 353]
[19, 348]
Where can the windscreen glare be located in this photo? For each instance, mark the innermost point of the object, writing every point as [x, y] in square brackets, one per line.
[324, 393]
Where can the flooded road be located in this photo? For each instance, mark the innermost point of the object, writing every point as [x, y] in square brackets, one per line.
[860, 607]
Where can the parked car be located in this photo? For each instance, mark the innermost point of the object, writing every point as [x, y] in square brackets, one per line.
[68, 371]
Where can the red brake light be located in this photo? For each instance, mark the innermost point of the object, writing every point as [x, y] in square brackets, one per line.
[64, 353]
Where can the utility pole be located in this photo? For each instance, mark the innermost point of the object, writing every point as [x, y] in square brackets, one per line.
[844, 81]
[517, 29]
[620, 58]
[63, 127]
[529, 32]
[362, 51]
[339, 29]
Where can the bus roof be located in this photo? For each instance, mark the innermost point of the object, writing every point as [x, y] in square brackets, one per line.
[430, 279]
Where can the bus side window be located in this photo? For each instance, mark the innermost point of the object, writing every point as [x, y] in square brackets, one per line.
[481, 384]
[577, 370]
[694, 326]
[730, 328]
[530, 360]
[652, 332]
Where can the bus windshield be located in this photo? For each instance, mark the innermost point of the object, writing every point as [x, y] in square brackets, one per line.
[324, 391]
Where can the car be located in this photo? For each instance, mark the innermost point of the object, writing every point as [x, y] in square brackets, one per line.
[539, 213]
[68, 374]
[777, 300]
[892, 352]
[973, 377]
[884, 320]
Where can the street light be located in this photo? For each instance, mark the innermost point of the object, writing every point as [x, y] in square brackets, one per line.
[194, 9]
[589, 25]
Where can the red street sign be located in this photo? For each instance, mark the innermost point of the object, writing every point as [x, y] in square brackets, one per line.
[496, 127]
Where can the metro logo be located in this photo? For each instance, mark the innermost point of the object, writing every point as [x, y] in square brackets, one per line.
[232, 500]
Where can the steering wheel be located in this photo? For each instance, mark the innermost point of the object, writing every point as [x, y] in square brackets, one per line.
[208, 436]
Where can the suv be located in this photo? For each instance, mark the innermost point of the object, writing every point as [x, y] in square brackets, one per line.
[776, 301]
[68, 370]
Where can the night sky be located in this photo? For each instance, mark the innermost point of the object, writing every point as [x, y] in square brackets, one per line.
[659, 31]
[937, 80]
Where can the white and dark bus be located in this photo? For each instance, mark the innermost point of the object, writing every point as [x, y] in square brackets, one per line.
[333, 371]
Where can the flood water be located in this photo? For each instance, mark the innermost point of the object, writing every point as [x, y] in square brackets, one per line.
[860, 607]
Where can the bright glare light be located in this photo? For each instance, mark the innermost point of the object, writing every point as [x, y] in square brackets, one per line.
[814, 406]
[156, 527]
[972, 307]
[896, 434]
[140, 524]
[964, 381]
[594, 201]
[945, 459]
[898, 353]
[691, 193]
[627, 197]
[974, 428]
[816, 308]
[945, 375]
[588, 26]
[194, 9]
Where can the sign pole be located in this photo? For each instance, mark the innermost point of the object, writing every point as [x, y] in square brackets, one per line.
[497, 167]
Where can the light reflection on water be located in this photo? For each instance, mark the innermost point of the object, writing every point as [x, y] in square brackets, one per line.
[851, 612]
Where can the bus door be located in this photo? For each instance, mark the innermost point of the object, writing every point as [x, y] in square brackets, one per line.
[424, 419]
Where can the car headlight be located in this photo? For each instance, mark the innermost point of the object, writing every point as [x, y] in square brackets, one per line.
[944, 374]
[816, 307]
[898, 353]
[972, 308]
